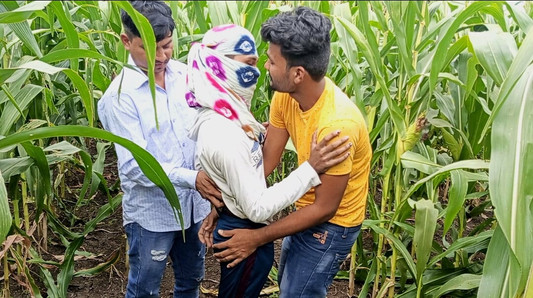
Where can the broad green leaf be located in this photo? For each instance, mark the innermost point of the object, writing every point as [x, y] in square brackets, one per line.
[375, 65]
[255, 13]
[395, 241]
[417, 161]
[148, 164]
[103, 213]
[5, 213]
[44, 183]
[66, 269]
[77, 81]
[10, 115]
[461, 243]
[511, 174]
[520, 63]
[456, 197]
[442, 47]
[22, 13]
[218, 12]
[425, 224]
[100, 268]
[519, 15]
[23, 32]
[494, 282]
[472, 164]
[462, 282]
[61, 55]
[495, 52]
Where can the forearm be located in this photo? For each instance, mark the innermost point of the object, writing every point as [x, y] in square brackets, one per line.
[260, 206]
[295, 222]
[328, 196]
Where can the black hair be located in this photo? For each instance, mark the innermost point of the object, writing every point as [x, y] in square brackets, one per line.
[303, 37]
[158, 14]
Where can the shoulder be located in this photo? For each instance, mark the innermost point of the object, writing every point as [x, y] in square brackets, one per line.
[177, 68]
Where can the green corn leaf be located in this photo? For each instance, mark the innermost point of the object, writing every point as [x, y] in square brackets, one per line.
[495, 51]
[456, 197]
[104, 212]
[471, 164]
[395, 241]
[10, 115]
[511, 174]
[442, 47]
[23, 31]
[37, 154]
[462, 282]
[100, 268]
[66, 269]
[425, 224]
[520, 63]
[494, 283]
[5, 213]
[22, 13]
[77, 81]
[462, 243]
[148, 164]
[88, 164]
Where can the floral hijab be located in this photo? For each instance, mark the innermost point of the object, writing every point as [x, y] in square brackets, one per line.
[220, 83]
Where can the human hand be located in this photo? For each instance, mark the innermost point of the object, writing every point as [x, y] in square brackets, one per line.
[324, 156]
[237, 248]
[208, 189]
[205, 234]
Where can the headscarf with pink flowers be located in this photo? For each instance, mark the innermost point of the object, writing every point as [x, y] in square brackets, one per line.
[220, 83]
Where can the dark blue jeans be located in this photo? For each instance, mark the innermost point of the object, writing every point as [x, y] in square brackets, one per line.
[248, 277]
[310, 259]
[148, 255]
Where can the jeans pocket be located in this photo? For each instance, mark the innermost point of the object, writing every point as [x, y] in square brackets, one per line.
[316, 239]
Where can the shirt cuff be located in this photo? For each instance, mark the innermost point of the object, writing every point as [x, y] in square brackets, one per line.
[188, 177]
[310, 173]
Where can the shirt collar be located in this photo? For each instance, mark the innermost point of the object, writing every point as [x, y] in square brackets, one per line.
[136, 77]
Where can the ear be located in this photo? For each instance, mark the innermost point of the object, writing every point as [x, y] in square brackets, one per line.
[125, 41]
[299, 74]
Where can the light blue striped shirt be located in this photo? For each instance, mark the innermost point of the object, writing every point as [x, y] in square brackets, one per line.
[131, 115]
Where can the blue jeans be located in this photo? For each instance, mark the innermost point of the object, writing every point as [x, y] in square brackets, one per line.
[248, 277]
[310, 259]
[148, 253]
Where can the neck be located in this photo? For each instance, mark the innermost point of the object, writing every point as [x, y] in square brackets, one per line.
[160, 79]
[308, 93]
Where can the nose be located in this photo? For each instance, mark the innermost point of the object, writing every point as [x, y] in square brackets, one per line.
[267, 65]
[160, 55]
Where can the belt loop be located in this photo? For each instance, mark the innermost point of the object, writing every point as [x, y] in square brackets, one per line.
[345, 233]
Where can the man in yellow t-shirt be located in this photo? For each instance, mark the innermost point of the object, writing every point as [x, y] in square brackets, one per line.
[327, 222]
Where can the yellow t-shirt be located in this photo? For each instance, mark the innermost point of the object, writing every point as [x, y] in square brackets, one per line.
[333, 111]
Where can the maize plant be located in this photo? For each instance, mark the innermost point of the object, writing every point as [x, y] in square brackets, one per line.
[445, 88]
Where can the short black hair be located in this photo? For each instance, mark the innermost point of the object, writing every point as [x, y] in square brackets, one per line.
[304, 39]
[158, 14]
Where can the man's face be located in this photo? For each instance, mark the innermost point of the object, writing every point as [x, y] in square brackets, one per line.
[136, 48]
[277, 70]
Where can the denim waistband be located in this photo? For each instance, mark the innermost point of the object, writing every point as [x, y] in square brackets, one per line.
[340, 229]
[237, 222]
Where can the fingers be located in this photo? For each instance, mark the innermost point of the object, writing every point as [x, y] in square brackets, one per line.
[215, 201]
[313, 142]
[329, 137]
[235, 262]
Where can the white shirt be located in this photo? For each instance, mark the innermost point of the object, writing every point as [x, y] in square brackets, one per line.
[130, 114]
[235, 163]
